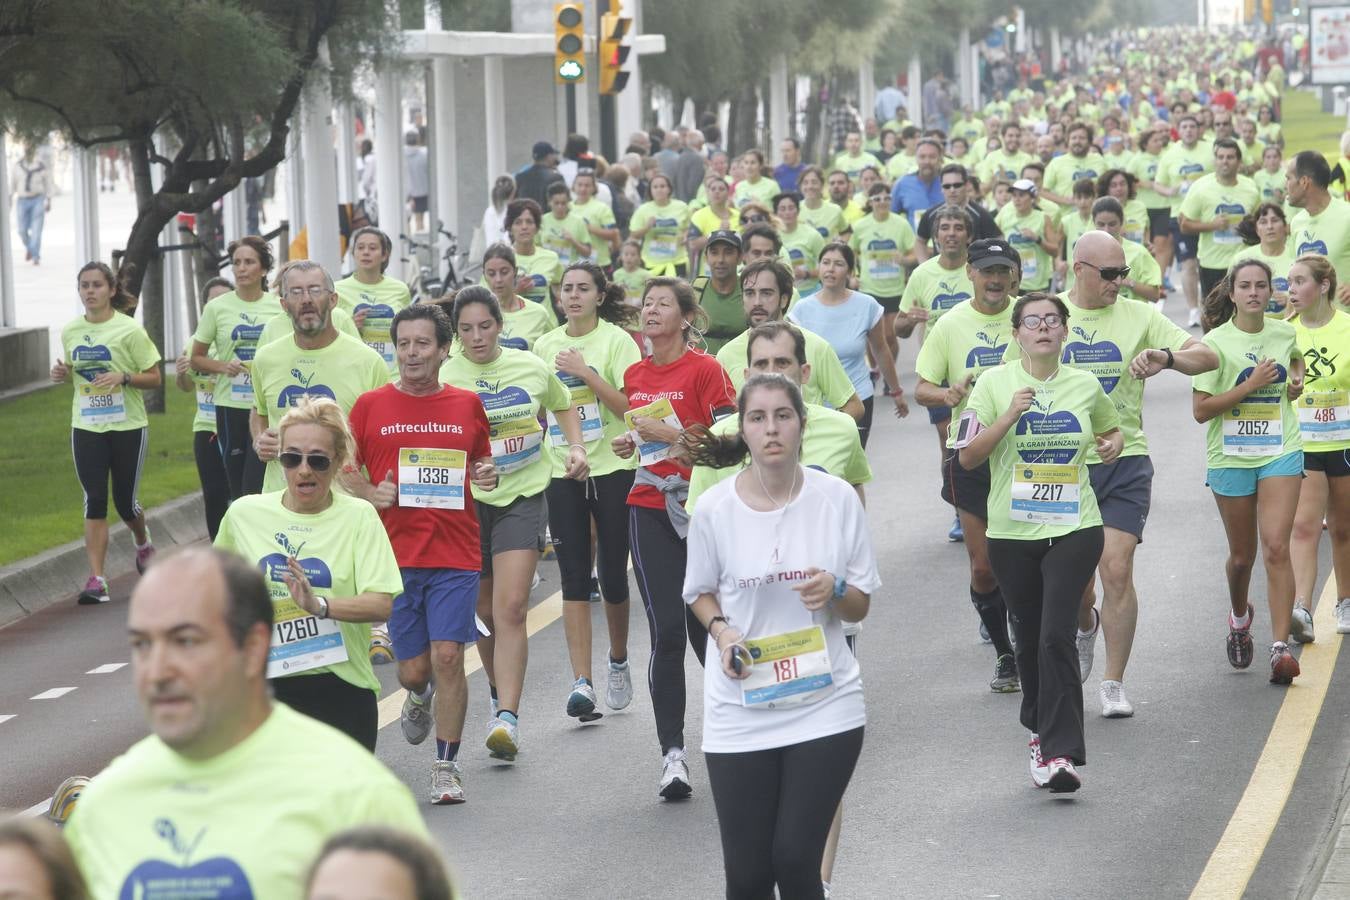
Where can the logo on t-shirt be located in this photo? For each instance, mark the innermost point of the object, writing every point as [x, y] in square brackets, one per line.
[247, 334]
[949, 295]
[290, 395]
[217, 878]
[275, 565]
[1310, 243]
[1274, 387]
[1047, 436]
[988, 354]
[498, 404]
[1101, 358]
[86, 358]
[1319, 365]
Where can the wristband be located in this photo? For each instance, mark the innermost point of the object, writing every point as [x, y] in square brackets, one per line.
[1170, 358]
[126, 379]
[840, 587]
[323, 608]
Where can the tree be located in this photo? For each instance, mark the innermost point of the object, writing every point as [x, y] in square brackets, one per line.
[215, 82]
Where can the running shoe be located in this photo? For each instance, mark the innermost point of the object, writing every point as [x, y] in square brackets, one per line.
[1193, 320]
[619, 690]
[95, 591]
[144, 555]
[381, 648]
[496, 707]
[534, 582]
[1005, 679]
[447, 783]
[595, 589]
[1240, 649]
[1063, 776]
[549, 552]
[581, 702]
[1343, 615]
[416, 718]
[984, 634]
[1115, 705]
[66, 796]
[503, 739]
[1087, 646]
[1283, 667]
[1040, 773]
[956, 534]
[675, 775]
[1301, 625]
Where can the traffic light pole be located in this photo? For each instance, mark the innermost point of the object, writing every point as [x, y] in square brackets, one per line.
[571, 91]
[609, 140]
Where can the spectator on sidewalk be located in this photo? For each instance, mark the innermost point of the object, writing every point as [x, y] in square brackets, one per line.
[30, 182]
[415, 166]
[532, 181]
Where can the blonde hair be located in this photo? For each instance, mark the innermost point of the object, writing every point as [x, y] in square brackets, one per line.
[325, 413]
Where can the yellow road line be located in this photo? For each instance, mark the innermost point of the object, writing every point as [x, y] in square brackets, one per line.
[1239, 851]
[540, 616]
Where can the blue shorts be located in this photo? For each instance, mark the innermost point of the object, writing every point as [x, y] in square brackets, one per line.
[436, 605]
[1242, 482]
[939, 414]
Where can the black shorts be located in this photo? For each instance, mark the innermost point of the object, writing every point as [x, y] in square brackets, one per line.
[1209, 279]
[966, 489]
[1184, 245]
[1124, 490]
[1335, 463]
[889, 304]
[1158, 221]
[520, 525]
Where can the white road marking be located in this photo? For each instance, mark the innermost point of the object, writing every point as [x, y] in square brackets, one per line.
[4, 719]
[52, 694]
[105, 669]
[38, 809]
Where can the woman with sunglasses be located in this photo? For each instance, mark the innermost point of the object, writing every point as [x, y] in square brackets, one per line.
[801, 243]
[1035, 423]
[1266, 233]
[662, 224]
[1255, 451]
[780, 752]
[331, 570]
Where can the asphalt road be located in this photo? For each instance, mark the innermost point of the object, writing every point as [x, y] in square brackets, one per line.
[941, 804]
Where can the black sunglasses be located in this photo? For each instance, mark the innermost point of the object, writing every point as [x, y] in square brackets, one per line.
[317, 461]
[953, 186]
[1109, 273]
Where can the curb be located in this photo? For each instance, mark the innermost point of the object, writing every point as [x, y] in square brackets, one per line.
[55, 575]
[1329, 877]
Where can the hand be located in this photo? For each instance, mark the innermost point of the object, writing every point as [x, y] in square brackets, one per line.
[1021, 402]
[917, 314]
[1265, 372]
[359, 317]
[1109, 446]
[267, 445]
[817, 590]
[578, 464]
[1147, 364]
[1295, 387]
[1030, 235]
[524, 283]
[60, 371]
[302, 592]
[1343, 295]
[623, 446]
[957, 392]
[571, 362]
[650, 429]
[181, 365]
[235, 367]
[484, 475]
[727, 650]
[108, 379]
[901, 406]
[385, 494]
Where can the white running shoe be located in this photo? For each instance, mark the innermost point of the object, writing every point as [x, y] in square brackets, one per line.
[1040, 773]
[1087, 646]
[1301, 625]
[1115, 705]
[447, 783]
[1343, 615]
[503, 740]
[416, 719]
[619, 688]
[1193, 320]
[675, 775]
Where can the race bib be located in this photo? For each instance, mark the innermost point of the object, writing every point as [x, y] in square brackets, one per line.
[375, 333]
[301, 642]
[101, 405]
[652, 452]
[206, 402]
[516, 443]
[662, 247]
[431, 479]
[1324, 416]
[241, 388]
[1029, 267]
[883, 266]
[1253, 429]
[588, 409]
[791, 669]
[1045, 494]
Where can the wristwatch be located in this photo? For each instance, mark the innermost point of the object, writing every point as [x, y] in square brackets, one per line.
[323, 608]
[840, 587]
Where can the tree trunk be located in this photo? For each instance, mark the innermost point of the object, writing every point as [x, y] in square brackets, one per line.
[142, 263]
[741, 121]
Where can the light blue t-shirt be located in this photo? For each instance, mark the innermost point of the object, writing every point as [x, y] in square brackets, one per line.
[845, 326]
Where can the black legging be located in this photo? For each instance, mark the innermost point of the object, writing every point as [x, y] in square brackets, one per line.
[100, 454]
[1043, 583]
[658, 561]
[243, 469]
[353, 710]
[571, 505]
[211, 474]
[865, 423]
[774, 809]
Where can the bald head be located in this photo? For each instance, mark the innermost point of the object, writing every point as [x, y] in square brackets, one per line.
[1099, 249]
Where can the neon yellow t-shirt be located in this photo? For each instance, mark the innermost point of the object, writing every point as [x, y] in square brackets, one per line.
[597, 214]
[1063, 171]
[204, 390]
[852, 166]
[1323, 408]
[829, 384]
[830, 443]
[155, 823]
[663, 244]
[1059, 430]
[118, 345]
[705, 221]
[1279, 274]
[1251, 421]
[1036, 263]
[344, 551]
[522, 327]
[1270, 184]
[514, 388]
[802, 246]
[1326, 234]
[553, 234]
[633, 283]
[937, 289]
[545, 270]
[1136, 221]
[1180, 167]
[763, 190]
[963, 342]
[280, 326]
[1144, 166]
[827, 219]
[283, 373]
[381, 303]
[609, 350]
[880, 247]
[1206, 201]
[231, 327]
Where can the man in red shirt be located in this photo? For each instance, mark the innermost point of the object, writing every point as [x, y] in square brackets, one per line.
[424, 445]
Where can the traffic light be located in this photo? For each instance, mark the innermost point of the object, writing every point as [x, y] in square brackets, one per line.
[569, 63]
[613, 52]
[1268, 11]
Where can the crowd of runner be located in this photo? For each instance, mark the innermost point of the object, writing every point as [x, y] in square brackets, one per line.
[686, 384]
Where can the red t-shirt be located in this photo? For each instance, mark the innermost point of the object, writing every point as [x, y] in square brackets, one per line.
[696, 385]
[386, 420]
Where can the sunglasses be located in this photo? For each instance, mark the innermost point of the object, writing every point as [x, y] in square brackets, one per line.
[317, 461]
[954, 186]
[1109, 273]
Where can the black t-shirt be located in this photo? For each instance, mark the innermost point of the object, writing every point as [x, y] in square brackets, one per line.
[980, 217]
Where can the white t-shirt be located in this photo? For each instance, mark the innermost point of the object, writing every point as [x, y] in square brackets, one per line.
[750, 560]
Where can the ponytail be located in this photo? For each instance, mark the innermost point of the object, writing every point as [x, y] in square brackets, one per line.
[714, 451]
[613, 306]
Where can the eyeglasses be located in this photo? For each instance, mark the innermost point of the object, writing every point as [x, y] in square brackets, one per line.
[317, 461]
[315, 292]
[1049, 320]
[1108, 273]
[955, 185]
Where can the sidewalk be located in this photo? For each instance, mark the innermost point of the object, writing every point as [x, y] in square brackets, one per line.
[1333, 883]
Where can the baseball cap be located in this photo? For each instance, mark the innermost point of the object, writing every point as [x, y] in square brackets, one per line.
[1024, 184]
[723, 236]
[988, 252]
[544, 148]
